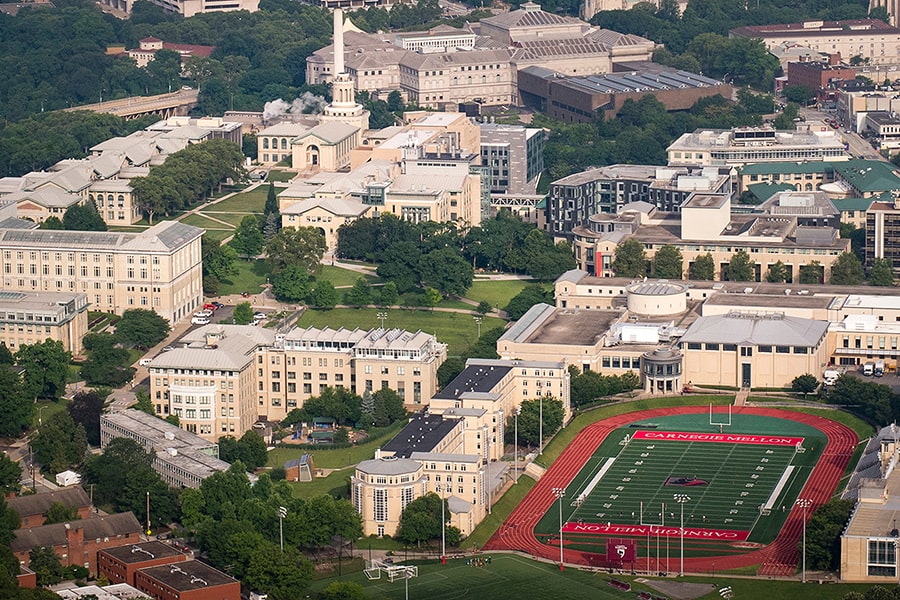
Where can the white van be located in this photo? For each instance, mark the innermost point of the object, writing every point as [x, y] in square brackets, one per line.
[868, 369]
[200, 321]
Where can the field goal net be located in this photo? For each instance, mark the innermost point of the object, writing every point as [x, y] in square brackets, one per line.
[392, 572]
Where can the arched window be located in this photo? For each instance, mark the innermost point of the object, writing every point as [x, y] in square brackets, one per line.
[284, 143]
[265, 143]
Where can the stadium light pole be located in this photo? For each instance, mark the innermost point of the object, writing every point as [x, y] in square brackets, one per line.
[487, 466]
[516, 446]
[478, 321]
[560, 493]
[282, 513]
[382, 315]
[541, 427]
[440, 488]
[681, 499]
[804, 503]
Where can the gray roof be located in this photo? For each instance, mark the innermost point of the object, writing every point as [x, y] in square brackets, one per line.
[331, 132]
[388, 466]
[162, 237]
[422, 434]
[756, 330]
[55, 535]
[190, 575]
[39, 504]
[232, 351]
[573, 276]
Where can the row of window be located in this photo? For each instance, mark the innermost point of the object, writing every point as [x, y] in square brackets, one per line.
[748, 350]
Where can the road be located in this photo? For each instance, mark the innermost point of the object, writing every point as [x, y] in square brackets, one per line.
[858, 146]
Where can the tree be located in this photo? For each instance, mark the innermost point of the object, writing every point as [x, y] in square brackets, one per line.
[60, 513]
[344, 590]
[52, 223]
[870, 400]
[846, 270]
[522, 302]
[740, 267]
[823, 534]
[811, 273]
[882, 272]
[703, 268]
[85, 409]
[6, 357]
[399, 265]
[83, 217]
[60, 443]
[17, 406]
[107, 364]
[544, 260]
[281, 575]
[141, 328]
[529, 419]
[291, 284]
[44, 561]
[431, 297]
[271, 226]
[449, 369]
[631, 259]
[389, 295]
[447, 271]
[324, 295]
[388, 407]
[271, 200]
[668, 263]
[218, 262]
[46, 367]
[359, 294]
[799, 94]
[250, 450]
[777, 273]
[248, 239]
[420, 521]
[805, 384]
[10, 475]
[107, 471]
[484, 307]
[243, 313]
[303, 246]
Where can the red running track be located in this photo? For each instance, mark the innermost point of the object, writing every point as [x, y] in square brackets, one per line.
[777, 558]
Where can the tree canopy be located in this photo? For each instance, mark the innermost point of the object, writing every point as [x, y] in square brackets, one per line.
[631, 259]
[141, 328]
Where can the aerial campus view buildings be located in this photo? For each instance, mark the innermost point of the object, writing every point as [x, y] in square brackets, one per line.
[443, 165]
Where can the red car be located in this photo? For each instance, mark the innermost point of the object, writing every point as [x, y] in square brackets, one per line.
[211, 306]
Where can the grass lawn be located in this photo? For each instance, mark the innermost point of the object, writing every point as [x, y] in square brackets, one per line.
[250, 275]
[43, 410]
[497, 293]
[456, 330]
[511, 577]
[276, 176]
[334, 458]
[218, 234]
[340, 277]
[333, 485]
[200, 221]
[253, 201]
[233, 218]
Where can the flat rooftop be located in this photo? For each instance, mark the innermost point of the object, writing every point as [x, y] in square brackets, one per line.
[574, 327]
[771, 302]
[474, 378]
[188, 575]
[421, 434]
[137, 553]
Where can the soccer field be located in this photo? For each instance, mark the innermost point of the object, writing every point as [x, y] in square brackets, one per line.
[736, 486]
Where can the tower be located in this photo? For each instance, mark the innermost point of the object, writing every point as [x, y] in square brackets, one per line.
[343, 107]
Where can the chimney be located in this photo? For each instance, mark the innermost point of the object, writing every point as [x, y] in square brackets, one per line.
[338, 41]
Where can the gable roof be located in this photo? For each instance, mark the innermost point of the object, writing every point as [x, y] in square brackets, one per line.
[39, 504]
[108, 526]
[753, 330]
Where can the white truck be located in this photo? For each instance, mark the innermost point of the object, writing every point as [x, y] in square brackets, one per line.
[879, 368]
[830, 376]
[868, 369]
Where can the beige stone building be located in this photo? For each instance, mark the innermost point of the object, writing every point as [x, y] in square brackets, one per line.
[325, 214]
[32, 317]
[275, 144]
[326, 147]
[795, 235]
[157, 269]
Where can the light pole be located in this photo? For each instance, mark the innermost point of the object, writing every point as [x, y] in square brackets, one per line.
[478, 321]
[516, 446]
[282, 513]
[681, 499]
[804, 503]
[439, 488]
[560, 494]
[40, 415]
[382, 315]
[541, 427]
[487, 468]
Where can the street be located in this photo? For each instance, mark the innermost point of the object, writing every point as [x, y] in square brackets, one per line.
[858, 146]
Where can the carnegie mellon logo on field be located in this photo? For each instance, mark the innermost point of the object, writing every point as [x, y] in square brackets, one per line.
[685, 481]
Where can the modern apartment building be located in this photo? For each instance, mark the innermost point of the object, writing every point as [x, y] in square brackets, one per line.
[576, 198]
[32, 317]
[156, 269]
[514, 157]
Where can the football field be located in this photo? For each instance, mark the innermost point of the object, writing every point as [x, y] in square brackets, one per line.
[736, 486]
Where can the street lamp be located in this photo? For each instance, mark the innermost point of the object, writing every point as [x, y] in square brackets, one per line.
[804, 503]
[382, 314]
[560, 493]
[516, 446]
[487, 468]
[282, 513]
[40, 415]
[681, 499]
[541, 427]
[440, 488]
[478, 321]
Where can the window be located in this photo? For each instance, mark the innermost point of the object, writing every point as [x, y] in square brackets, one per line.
[380, 505]
[882, 561]
[783, 349]
[692, 346]
[764, 349]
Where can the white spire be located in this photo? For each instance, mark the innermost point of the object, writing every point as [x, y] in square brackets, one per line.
[338, 41]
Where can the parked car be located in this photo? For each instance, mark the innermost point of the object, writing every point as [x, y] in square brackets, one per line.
[210, 306]
[168, 348]
[217, 304]
[260, 316]
[144, 362]
[204, 314]
[200, 321]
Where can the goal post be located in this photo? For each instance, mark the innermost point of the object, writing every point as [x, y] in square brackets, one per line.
[719, 420]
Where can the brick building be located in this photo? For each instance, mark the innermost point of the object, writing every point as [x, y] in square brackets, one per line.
[816, 75]
[120, 564]
[78, 542]
[189, 580]
[32, 510]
